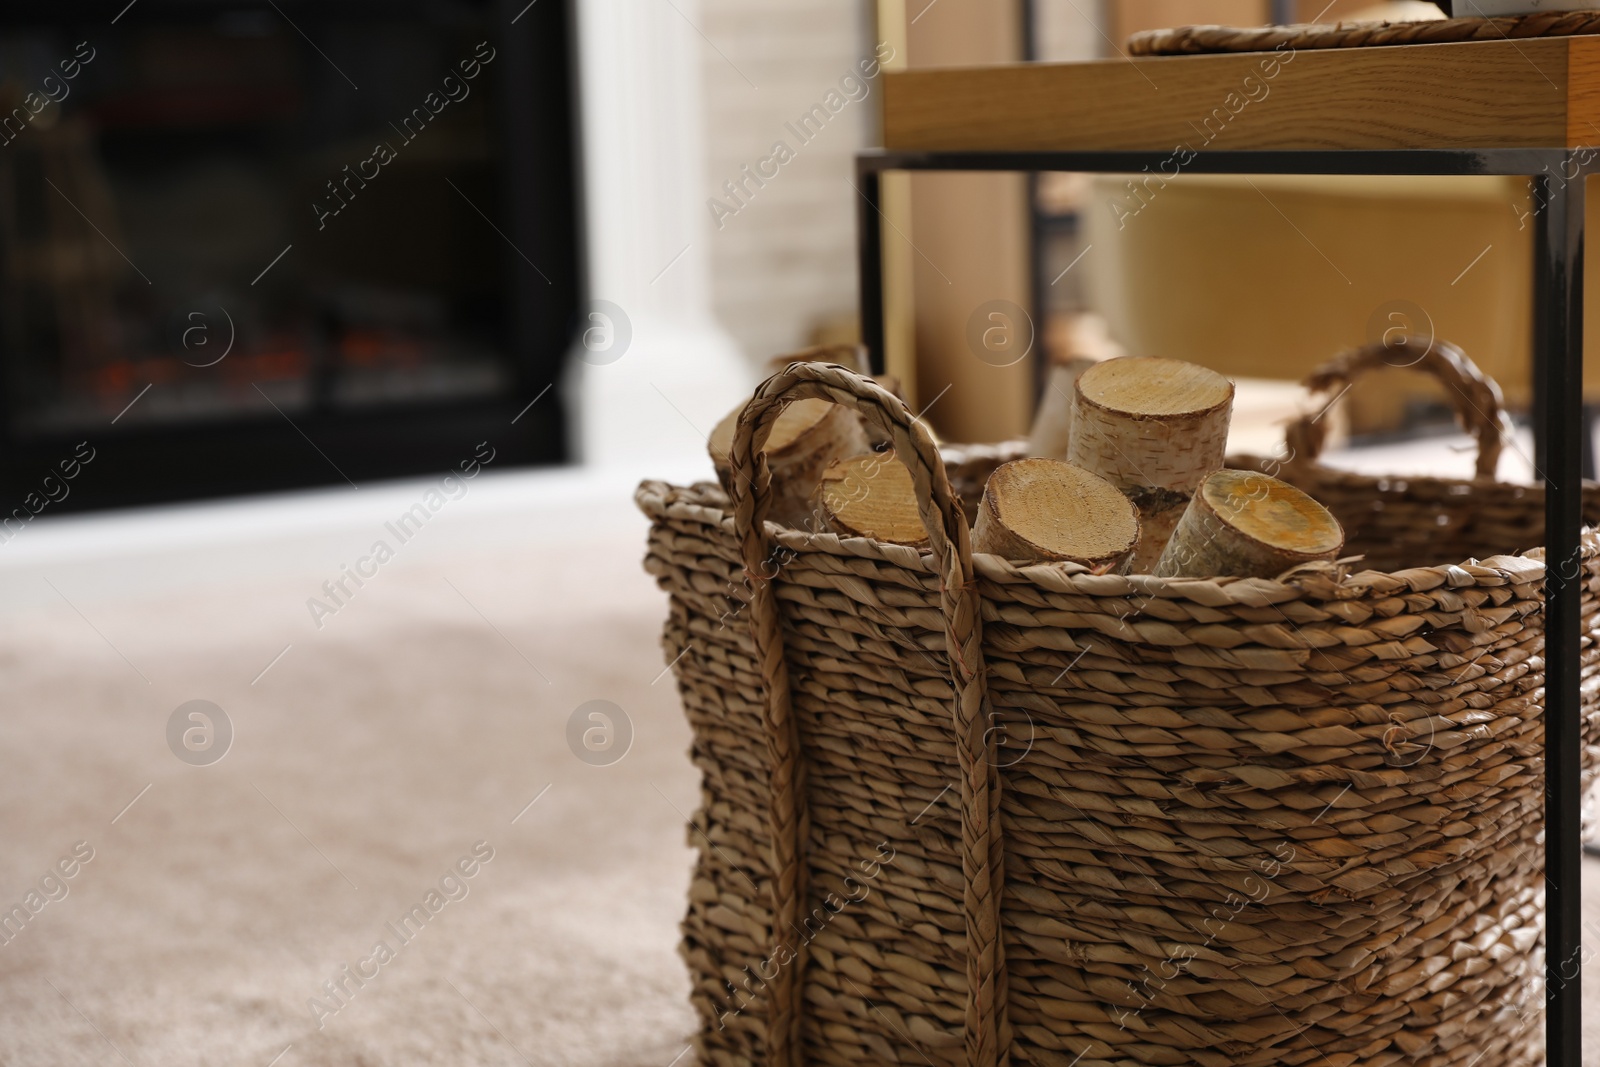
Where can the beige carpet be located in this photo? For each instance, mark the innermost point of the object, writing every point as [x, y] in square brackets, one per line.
[422, 718]
[367, 761]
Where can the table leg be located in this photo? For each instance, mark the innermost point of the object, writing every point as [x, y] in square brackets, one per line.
[1558, 426]
[869, 252]
[1590, 413]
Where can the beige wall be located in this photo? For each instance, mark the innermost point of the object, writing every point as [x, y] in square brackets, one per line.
[1131, 16]
[971, 238]
[785, 262]
[1067, 34]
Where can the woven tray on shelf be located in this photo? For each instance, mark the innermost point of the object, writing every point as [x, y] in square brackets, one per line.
[957, 810]
[1198, 40]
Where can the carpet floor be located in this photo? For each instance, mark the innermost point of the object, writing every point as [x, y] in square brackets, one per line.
[367, 762]
[426, 718]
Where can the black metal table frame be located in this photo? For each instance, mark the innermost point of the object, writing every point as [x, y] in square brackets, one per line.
[1557, 191]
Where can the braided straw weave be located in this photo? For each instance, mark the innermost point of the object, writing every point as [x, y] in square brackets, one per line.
[957, 810]
[1197, 40]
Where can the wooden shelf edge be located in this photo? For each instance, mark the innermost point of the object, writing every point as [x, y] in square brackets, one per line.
[1539, 93]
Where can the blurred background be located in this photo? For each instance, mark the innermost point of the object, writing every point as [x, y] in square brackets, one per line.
[283, 282]
[249, 247]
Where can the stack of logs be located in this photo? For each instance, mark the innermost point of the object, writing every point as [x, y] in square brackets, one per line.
[1125, 475]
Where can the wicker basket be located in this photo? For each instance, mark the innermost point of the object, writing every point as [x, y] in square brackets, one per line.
[963, 811]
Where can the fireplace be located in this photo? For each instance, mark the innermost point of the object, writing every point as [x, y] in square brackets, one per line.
[247, 247]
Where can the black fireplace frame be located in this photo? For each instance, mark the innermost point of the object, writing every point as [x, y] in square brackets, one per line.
[141, 463]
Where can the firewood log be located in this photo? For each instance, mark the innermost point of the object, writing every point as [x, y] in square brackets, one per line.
[1047, 510]
[871, 496]
[1154, 428]
[1247, 524]
[809, 435]
[846, 354]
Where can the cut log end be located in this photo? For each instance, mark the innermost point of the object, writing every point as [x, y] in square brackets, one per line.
[807, 436]
[1047, 510]
[1152, 387]
[1273, 512]
[872, 496]
[796, 421]
[1146, 423]
[1248, 524]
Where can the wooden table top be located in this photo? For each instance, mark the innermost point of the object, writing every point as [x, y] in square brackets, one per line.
[1540, 93]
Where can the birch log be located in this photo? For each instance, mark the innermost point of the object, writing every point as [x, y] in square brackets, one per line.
[854, 357]
[871, 496]
[1154, 428]
[1047, 510]
[1247, 524]
[809, 435]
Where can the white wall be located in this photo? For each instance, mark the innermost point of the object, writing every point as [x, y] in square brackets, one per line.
[1070, 33]
[654, 401]
[788, 258]
[677, 99]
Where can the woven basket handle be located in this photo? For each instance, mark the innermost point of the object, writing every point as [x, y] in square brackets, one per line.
[987, 1032]
[1475, 396]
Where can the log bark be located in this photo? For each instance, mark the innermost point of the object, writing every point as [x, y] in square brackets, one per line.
[809, 435]
[1160, 511]
[854, 357]
[871, 496]
[1047, 510]
[1154, 428]
[1251, 525]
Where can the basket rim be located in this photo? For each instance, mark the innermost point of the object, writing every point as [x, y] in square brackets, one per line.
[705, 502]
